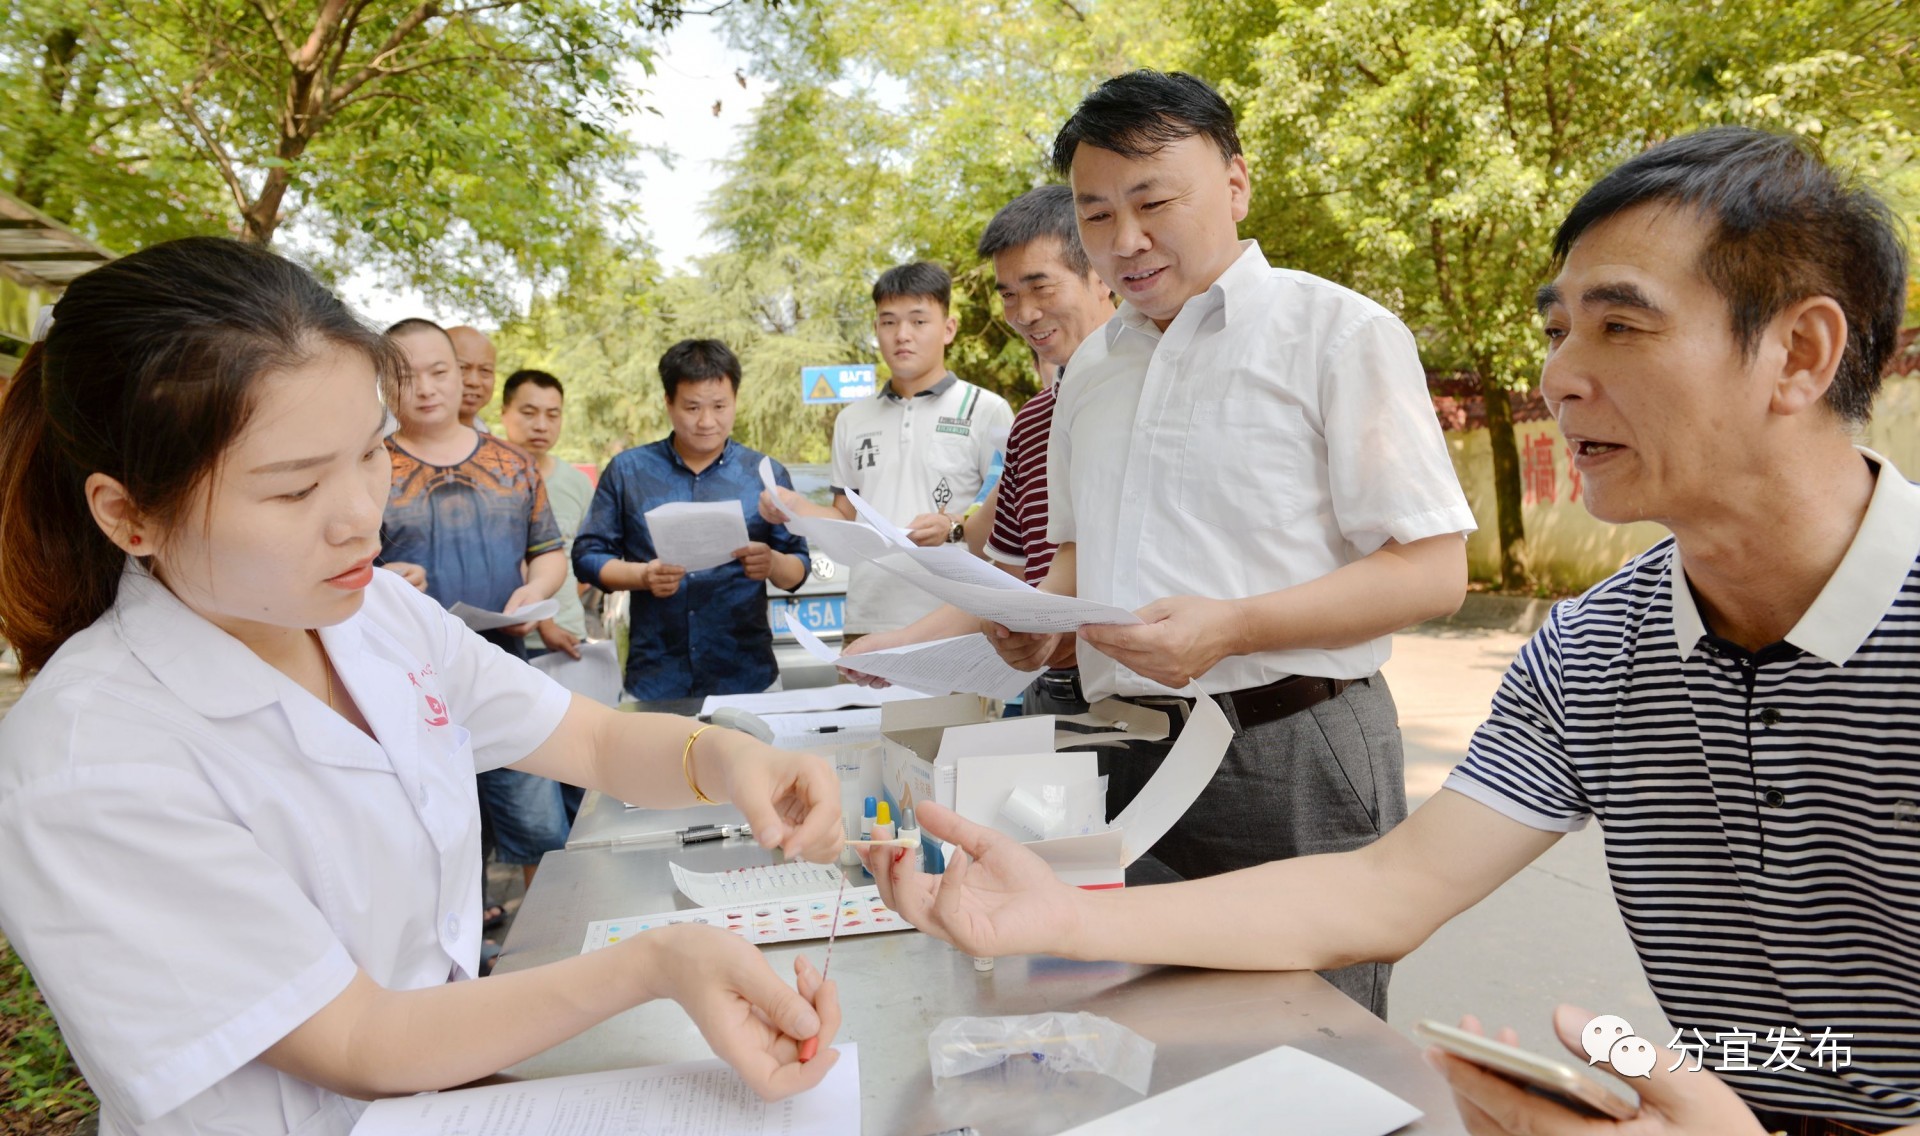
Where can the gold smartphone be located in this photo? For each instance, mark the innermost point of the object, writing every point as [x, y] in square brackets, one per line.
[1559, 1079]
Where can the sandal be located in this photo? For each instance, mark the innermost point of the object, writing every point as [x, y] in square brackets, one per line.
[492, 916]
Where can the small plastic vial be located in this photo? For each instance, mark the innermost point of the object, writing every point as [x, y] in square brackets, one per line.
[983, 965]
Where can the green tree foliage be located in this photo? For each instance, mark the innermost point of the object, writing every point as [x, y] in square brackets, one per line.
[956, 107]
[894, 133]
[1424, 151]
[460, 145]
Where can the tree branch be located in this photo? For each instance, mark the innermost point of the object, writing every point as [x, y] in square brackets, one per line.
[323, 28]
[372, 70]
[273, 24]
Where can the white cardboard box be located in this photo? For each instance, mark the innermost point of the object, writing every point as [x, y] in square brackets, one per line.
[927, 744]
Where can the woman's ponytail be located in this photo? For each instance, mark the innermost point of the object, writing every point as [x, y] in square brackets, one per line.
[58, 571]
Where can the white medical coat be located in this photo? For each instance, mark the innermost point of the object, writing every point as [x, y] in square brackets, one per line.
[198, 854]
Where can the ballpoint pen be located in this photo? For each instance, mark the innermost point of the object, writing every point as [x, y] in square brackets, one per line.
[695, 834]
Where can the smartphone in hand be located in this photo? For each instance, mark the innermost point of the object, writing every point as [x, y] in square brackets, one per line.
[1552, 1077]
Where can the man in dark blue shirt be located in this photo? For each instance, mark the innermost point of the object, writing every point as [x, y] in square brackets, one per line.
[691, 633]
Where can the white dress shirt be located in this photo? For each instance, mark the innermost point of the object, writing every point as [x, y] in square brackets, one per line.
[1279, 429]
[200, 854]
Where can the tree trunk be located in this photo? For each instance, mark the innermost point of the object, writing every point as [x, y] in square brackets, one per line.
[1506, 480]
[263, 216]
[35, 185]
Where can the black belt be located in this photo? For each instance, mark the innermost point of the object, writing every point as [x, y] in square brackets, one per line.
[1256, 706]
[1795, 1124]
[1062, 684]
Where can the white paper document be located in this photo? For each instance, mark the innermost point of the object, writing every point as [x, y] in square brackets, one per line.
[764, 884]
[1017, 608]
[848, 542]
[595, 674]
[878, 521]
[697, 534]
[829, 727]
[843, 696]
[481, 619]
[693, 1098]
[1316, 1098]
[1185, 771]
[874, 536]
[966, 664]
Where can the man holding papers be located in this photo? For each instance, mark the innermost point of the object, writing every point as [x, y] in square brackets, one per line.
[677, 524]
[1246, 458]
[919, 451]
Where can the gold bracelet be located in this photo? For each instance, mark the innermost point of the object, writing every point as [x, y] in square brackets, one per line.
[686, 767]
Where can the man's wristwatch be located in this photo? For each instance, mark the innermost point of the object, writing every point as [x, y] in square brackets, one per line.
[957, 533]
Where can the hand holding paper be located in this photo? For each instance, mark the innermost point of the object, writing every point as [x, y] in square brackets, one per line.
[481, 619]
[1178, 639]
[965, 664]
[697, 534]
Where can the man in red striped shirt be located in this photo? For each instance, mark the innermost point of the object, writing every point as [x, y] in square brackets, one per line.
[1053, 298]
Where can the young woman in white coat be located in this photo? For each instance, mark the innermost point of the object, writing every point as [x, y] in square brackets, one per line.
[237, 810]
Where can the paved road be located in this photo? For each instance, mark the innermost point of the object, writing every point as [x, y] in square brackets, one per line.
[1550, 934]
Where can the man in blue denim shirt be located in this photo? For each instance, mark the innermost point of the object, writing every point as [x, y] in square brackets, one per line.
[692, 633]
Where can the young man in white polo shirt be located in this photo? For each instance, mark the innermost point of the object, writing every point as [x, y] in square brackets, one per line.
[919, 451]
[1052, 297]
[1248, 458]
[1739, 707]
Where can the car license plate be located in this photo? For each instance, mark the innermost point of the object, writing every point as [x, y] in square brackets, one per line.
[822, 615]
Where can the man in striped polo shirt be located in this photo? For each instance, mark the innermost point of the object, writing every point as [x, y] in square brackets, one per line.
[1054, 299]
[1739, 706]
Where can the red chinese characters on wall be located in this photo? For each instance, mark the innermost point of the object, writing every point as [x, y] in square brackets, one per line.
[1540, 475]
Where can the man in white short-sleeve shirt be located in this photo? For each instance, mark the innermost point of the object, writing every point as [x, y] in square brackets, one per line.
[1247, 457]
[919, 451]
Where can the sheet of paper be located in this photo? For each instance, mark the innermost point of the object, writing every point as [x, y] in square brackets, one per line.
[1313, 1095]
[878, 521]
[481, 619]
[697, 534]
[595, 674]
[1186, 770]
[693, 1098]
[955, 562]
[763, 884]
[844, 696]
[793, 920]
[829, 727]
[966, 664]
[1018, 609]
[848, 542]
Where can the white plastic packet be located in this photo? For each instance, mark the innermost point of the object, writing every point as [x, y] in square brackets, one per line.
[1062, 1043]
